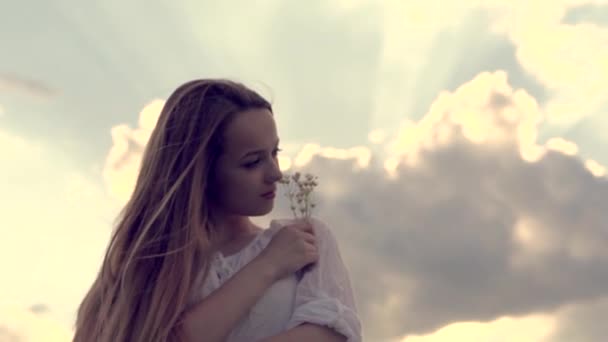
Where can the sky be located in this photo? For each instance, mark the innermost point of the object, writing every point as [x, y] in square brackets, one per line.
[459, 145]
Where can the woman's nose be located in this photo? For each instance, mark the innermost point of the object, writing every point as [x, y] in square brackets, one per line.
[275, 172]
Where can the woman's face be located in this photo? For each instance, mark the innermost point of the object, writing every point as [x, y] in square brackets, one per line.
[249, 166]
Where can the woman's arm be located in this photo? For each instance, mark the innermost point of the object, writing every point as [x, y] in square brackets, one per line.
[307, 332]
[212, 319]
[324, 295]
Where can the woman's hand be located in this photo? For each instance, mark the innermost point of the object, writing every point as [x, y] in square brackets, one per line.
[291, 248]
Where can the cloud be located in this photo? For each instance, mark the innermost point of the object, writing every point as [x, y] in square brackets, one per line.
[20, 325]
[469, 218]
[122, 162]
[53, 209]
[533, 328]
[595, 168]
[569, 59]
[458, 52]
[587, 13]
[376, 136]
[576, 322]
[581, 321]
[39, 308]
[18, 84]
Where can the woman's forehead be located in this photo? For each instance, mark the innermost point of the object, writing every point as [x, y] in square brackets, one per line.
[251, 130]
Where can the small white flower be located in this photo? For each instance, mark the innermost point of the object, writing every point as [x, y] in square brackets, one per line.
[300, 190]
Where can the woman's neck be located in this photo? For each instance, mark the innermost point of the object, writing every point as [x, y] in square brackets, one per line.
[235, 228]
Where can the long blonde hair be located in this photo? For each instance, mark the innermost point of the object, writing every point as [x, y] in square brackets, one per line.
[165, 235]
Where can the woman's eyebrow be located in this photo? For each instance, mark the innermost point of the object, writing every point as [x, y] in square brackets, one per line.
[258, 151]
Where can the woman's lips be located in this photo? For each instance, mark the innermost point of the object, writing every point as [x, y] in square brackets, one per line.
[269, 194]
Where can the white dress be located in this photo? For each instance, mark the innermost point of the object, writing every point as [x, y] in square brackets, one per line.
[323, 295]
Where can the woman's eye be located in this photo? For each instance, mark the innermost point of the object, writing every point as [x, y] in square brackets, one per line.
[255, 162]
[252, 164]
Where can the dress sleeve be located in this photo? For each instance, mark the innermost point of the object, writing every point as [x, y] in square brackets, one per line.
[324, 294]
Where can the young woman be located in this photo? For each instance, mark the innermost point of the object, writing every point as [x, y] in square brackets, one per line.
[186, 263]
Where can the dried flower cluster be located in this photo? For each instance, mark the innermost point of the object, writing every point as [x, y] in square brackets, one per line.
[299, 191]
